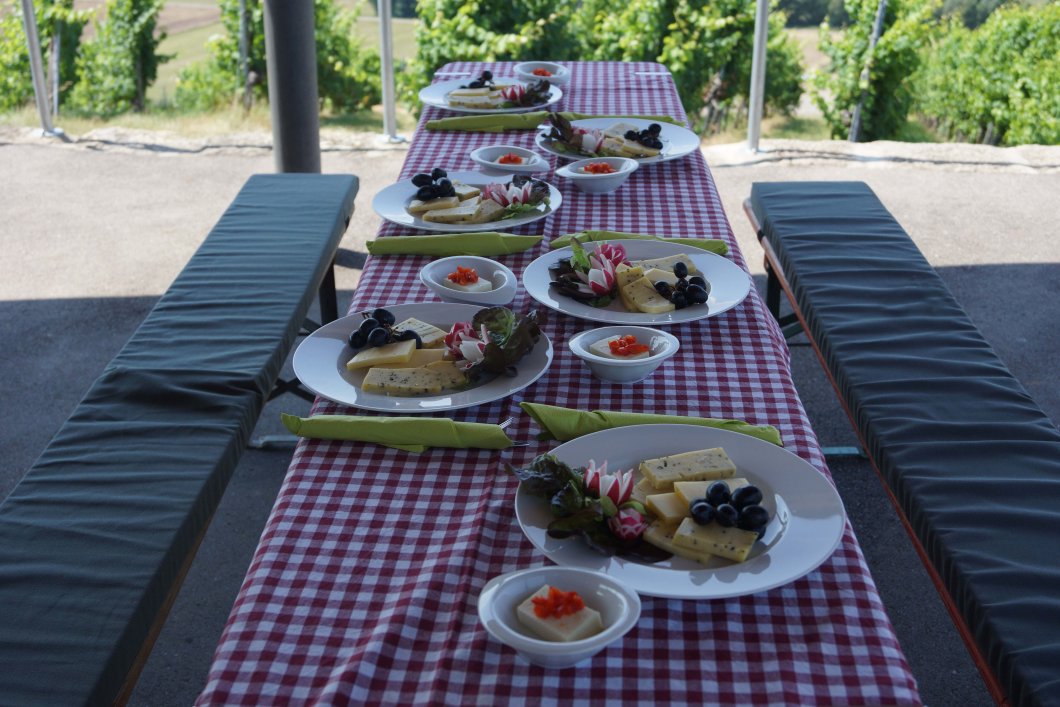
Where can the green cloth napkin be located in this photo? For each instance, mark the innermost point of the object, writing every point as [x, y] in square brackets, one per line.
[413, 434]
[524, 121]
[714, 245]
[485, 244]
[565, 424]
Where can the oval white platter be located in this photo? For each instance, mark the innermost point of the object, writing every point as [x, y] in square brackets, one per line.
[807, 523]
[729, 285]
[437, 95]
[320, 364]
[678, 141]
[391, 204]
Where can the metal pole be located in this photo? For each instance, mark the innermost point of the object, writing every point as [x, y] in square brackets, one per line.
[53, 68]
[758, 75]
[386, 55]
[245, 84]
[40, 89]
[291, 63]
[877, 30]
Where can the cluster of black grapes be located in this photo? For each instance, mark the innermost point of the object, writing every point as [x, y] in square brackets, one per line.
[649, 137]
[687, 291]
[434, 185]
[483, 81]
[741, 508]
[377, 329]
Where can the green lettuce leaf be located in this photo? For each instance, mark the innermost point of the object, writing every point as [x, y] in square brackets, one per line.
[509, 340]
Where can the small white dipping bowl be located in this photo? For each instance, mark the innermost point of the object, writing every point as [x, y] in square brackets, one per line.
[613, 370]
[486, 158]
[619, 608]
[560, 74]
[433, 276]
[599, 183]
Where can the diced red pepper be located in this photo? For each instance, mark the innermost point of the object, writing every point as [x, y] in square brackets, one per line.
[463, 276]
[510, 158]
[627, 346]
[557, 604]
[600, 168]
[541, 72]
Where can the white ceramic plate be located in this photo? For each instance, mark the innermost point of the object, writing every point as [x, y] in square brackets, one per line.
[806, 527]
[437, 95]
[391, 202]
[677, 141]
[729, 285]
[320, 364]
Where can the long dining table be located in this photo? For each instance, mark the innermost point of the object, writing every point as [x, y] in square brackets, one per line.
[363, 587]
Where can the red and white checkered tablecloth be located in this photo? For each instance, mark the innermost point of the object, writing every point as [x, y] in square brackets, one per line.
[363, 587]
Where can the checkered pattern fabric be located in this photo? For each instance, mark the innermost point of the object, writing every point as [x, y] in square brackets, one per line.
[363, 587]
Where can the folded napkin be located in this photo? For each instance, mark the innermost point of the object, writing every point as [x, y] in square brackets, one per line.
[486, 243]
[523, 121]
[564, 424]
[413, 434]
[714, 245]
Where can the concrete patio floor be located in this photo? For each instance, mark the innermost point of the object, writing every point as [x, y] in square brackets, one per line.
[94, 232]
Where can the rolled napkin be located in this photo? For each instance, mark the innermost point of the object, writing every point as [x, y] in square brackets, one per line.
[714, 245]
[486, 243]
[523, 121]
[565, 424]
[413, 434]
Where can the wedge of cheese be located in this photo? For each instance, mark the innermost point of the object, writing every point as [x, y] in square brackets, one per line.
[687, 491]
[421, 207]
[690, 466]
[730, 543]
[448, 373]
[642, 489]
[642, 296]
[458, 214]
[661, 535]
[398, 352]
[488, 210]
[465, 191]
[667, 507]
[666, 264]
[431, 336]
[402, 382]
[419, 359]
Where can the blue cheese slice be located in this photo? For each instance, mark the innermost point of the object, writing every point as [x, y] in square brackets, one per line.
[730, 543]
[430, 335]
[402, 382]
[690, 466]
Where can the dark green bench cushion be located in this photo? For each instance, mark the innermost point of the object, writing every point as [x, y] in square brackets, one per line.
[971, 458]
[92, 539]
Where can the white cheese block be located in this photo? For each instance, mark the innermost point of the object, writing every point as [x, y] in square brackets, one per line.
[421, 207]
[398, 352]
[573, 627]
[642, 295]
[482, 285]
[603, 348]
[402, 382]
[431, 336]
[458, 214]
[661, 535]
[690, 466]
[730, 543]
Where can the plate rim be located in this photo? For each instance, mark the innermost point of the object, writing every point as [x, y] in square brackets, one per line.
[555, 202]
[395, 407]
[615, 570]
[555, 95]
[539, 140]
[637, 318]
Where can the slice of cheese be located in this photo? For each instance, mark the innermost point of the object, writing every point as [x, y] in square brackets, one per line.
[730, 543]
[642, 489]
[402, 382]
[431, 336]
[419, 359]
[465, 191]
[620, 129]
[690, 466]
[624, 275]
[572, 627]
[448, 373]
[488, 210]
[632, 148]
[690, 490]
[398, 352]
[466, 92]
[667, 264]
[661, 535]
[658, 275]
[642, 295]
[421, 207]
[667, 507]
[458, 214]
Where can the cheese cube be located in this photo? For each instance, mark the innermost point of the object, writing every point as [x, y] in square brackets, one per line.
[731, 543]
[573, 627]
[690, 466]
[642, 295]
[419, 359]
[690, 490]
[661, 535]
[444, 202]
[402, 382]
[667, 507]
[431, 336]
[398, 352]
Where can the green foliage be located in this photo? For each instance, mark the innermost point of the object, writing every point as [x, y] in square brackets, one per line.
[998, 83]
[707, 45]
[347, 73]
[887, 92]
[116, 67]
[58, 16]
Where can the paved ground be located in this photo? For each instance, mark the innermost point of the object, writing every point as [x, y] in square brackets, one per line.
[93, 233]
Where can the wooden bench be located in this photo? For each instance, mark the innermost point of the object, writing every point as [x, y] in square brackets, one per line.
[96, 538]
[970, 461]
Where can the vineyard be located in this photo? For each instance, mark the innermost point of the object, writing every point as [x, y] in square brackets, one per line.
[957, 70]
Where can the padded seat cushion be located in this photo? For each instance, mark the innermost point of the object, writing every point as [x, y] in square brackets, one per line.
[93, 538]
[971, 458]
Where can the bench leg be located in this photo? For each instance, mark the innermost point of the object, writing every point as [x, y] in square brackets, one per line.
[772, 291]
[329, 298]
